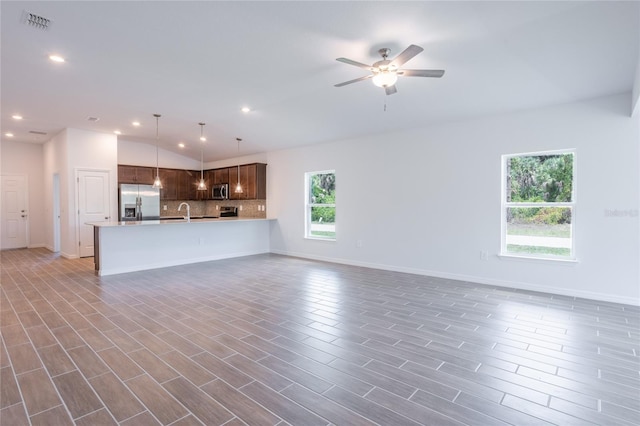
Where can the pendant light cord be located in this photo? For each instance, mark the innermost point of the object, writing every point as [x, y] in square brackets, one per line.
[157, 116]
[238, 186]
[201, 151]
[157, 183]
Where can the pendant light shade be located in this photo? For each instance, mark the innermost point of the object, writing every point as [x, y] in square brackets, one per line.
[202, 185]
[238, 186]
[156, 182]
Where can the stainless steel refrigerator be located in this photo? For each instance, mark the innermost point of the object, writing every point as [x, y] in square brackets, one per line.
[139, 202]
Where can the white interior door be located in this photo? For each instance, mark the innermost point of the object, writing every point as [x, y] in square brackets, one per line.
[14, 212]
[93, 202]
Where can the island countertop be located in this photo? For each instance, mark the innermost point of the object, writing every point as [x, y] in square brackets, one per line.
[171, 221]
[121, 247]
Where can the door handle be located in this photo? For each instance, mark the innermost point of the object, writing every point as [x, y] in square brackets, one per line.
[106, 218]
[24, 215]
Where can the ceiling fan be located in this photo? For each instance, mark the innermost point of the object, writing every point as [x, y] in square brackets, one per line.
[385, 73]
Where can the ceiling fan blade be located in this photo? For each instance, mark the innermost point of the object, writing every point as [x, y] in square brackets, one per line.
[408, 53]
[421, 73]
[357, 64]
[390, 90]
[353, 81]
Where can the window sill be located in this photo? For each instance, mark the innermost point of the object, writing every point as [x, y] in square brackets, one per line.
[320, 239]
[553, 260]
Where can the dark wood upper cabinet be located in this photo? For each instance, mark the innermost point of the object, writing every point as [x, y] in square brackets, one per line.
[220, 176]
[187, 180]
[136, 174]
[233, 183]
[207, 175]
[253, 179]
[169, 179]
[182, 184]
[257, 181]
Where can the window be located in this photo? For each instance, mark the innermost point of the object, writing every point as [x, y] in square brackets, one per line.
[538, 205]
[320, 205]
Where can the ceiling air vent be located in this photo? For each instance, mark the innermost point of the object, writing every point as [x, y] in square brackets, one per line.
[35, 132]
[36, 21]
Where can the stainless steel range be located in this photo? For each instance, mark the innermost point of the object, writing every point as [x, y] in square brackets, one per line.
[228, 211]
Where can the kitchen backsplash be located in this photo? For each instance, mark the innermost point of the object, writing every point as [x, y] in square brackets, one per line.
[246, 208]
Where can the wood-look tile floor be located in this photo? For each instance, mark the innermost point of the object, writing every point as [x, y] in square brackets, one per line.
[274, 340]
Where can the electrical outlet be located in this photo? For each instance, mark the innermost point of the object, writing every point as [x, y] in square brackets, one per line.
[240, 207]
[359, 243]
[217, 207]
[164, 207]
[484, 255]
[201, 241]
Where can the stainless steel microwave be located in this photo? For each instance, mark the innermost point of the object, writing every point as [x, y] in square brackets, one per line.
[220, 191]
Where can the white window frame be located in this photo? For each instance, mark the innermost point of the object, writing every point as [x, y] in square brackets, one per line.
[309, 205]
[505, 205]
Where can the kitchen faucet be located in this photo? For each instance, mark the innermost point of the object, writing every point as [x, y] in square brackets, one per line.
[188, 216]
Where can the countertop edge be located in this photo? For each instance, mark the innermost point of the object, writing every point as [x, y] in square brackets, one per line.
[174, 222]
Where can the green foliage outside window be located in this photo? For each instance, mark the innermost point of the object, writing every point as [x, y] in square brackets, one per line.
[323, 191]
[540, 178]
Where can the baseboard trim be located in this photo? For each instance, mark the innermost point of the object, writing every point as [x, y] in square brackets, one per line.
[68, 255]
[516, 285]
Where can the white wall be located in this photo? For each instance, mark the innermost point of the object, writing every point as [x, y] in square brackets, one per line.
[26, 159]
[91, 151]
[246, 159]
[65, 154]
[635, 93]
[142, 154]
[428, 201]
[55, 162]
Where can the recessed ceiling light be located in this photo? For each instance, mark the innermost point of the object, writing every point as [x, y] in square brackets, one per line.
[16, 117]
[245, 109]
[117, 132]
[56, 58]
[181, 145]
[9, 134]
[135, 123]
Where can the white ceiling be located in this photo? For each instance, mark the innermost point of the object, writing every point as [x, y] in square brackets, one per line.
[203, 61]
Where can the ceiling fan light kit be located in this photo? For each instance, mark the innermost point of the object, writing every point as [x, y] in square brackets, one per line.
[385, 73]
[385, 78]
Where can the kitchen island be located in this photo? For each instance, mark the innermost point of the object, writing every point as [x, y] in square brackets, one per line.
[135, 246]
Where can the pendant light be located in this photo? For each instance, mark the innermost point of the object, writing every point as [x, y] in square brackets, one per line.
[202, 185]
[238, 186]
[157, 183]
